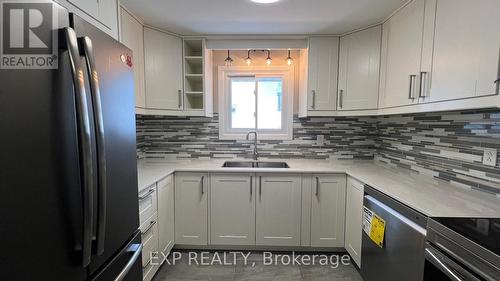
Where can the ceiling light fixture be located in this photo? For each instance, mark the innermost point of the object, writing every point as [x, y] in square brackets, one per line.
[289, 59]
[248, 60]
[265, 1]
[269, 60]
[228, 60]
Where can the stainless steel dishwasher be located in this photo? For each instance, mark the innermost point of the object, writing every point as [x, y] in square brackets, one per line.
[401, 256]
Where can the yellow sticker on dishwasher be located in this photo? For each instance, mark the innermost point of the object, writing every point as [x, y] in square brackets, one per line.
[377, 230]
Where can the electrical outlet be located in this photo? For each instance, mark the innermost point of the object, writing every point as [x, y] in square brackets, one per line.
[320, 140]
[490, 157]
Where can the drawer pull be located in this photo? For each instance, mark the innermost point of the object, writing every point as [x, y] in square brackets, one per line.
[147, 194]
[149, 228]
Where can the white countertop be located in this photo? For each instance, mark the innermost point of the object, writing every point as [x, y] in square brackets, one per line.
[432, 197]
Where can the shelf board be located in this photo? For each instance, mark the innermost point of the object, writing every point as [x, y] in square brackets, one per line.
[194, 93]
[193, 57]
[194, 77]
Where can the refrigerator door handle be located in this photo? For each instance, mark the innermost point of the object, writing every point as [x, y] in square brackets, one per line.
[88, 52]
[137, 249]
[84, 139]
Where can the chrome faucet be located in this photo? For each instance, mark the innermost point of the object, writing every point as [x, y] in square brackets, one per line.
[255, 153]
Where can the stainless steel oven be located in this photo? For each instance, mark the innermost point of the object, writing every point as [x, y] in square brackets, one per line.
[462, 249]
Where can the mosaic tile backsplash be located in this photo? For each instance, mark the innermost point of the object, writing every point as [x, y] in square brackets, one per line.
[198, 137]
[448, 146]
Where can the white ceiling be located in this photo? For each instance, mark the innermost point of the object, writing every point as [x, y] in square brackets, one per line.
[210, 17]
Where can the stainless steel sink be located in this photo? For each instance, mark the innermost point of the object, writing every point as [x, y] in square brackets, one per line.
[238, 164]
[248, 164]
[271, 165]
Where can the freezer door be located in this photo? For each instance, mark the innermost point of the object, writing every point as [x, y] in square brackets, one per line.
[117, 200]
[402, 255]
[126, 265]
[40, 186]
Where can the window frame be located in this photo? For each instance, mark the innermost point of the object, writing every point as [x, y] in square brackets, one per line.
[225, 73]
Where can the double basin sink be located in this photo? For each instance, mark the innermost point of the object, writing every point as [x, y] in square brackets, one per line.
[254, 164]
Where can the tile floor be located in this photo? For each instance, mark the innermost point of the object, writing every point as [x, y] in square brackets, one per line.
[254, 269]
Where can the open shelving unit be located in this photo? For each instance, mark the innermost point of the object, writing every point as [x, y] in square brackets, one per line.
[194, 74]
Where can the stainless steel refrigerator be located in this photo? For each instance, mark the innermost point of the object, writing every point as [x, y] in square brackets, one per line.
[68, 175]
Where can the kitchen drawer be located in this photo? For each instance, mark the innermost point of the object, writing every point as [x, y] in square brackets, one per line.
[147, 203]
[148, 272]
[149, 235]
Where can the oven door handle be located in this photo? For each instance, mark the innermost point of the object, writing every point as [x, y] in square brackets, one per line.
[451, 269]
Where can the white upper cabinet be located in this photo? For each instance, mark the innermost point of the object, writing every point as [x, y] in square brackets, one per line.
[402, 37]
[359, 65]
[232, 209]
[90, 7]
[278, 213]
[101, 13]
[466, 49]
[163, 68]
[322, 73]
[107, 11]
[328, 210]
[132, 36]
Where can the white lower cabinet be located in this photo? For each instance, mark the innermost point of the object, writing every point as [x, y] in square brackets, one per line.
[328, 210]
[278, 213]
[166, 221]
[191, 208]
[354, 217]
[148, 225]
[232, 209]
[244, 209]
[149, 237]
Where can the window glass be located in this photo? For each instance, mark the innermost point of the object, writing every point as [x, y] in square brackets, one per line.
[242, 103]
[269, 103]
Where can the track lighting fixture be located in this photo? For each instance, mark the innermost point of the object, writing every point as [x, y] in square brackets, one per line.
[269, 60]
[289, 59]
[248, 60]
[228, 60]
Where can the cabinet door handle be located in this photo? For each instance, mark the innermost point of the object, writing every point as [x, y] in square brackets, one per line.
[410, 92]
[422, 91]
[317, 186]
[180, 98]
[313, 99]
[251, 183]
[260, 186]
[341, 98]
[202, 185]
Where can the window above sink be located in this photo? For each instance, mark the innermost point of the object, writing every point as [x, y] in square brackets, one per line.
[256, 99]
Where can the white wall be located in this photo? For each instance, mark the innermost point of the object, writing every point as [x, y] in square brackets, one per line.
[258, 59]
